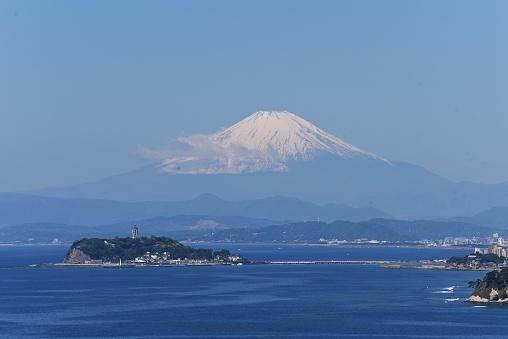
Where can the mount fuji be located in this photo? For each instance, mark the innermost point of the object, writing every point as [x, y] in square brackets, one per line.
[266, 140]
[277, 153]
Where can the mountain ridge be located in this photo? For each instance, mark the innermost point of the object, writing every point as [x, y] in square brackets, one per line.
[234, 229]
[80, 211]
[376, 229]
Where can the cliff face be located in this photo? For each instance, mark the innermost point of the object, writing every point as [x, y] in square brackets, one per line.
[493, 288]
[76, 256]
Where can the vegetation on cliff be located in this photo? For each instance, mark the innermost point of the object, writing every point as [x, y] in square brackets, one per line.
[492, 288]
[129, 249]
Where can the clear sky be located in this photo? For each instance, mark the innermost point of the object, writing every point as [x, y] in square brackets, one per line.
[85, 84]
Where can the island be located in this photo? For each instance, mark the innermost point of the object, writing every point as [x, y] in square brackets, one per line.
[144, 251]
[492, 288]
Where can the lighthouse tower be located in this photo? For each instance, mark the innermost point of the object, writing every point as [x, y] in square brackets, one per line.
[134, 232]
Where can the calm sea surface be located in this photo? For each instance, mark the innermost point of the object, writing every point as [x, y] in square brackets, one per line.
[245, 301]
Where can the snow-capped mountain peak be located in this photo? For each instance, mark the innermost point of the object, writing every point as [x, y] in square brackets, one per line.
[286, 135]
[265, 140]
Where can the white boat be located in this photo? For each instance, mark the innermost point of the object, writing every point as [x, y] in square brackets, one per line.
[452, 299]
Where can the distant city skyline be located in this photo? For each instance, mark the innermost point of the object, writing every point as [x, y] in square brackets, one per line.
[86, 84]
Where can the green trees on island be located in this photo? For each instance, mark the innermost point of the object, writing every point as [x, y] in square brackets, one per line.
[129, 249]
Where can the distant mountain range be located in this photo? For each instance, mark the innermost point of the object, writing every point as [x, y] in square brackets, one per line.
[241, 229]
[38, 232]
[18, 208]
[207, 217]
[492, 217]
[280, 154]
[378, 229]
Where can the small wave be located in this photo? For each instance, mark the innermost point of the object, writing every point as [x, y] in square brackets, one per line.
[451, 300]
[444, 292]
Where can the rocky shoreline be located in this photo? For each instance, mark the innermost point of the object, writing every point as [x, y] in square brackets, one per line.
[493, 288]
[477, 299]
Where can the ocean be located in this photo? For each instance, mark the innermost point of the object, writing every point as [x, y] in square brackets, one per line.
[250, 301]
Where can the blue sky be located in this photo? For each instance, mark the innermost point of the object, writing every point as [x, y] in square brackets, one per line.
[85, 84]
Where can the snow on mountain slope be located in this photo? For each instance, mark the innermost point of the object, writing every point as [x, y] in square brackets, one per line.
[266, 140]
[286, 135]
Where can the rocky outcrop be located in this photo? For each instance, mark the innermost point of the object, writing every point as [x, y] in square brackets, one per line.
[492, 288]
[76, 256]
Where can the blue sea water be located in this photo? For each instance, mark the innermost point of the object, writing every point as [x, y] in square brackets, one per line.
[258, 301]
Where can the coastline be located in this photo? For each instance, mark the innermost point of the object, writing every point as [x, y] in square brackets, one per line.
[386, 264]
[425, 260]
[343, 245]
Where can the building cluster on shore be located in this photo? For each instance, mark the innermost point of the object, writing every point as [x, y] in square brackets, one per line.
[162, 259]
[446, 242]
[491, 258]
[498, 247]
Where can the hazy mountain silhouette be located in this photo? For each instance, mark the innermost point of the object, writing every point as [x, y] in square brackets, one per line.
[21, 208]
